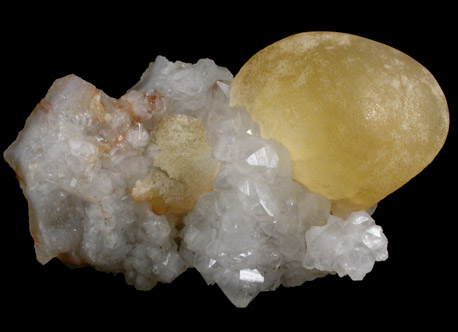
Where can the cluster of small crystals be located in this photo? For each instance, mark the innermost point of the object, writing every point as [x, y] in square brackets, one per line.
[92, 171]
[77, 158]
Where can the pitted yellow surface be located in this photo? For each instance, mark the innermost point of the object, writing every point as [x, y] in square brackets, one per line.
[358, 117]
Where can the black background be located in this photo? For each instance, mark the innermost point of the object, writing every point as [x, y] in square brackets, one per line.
[111, 47]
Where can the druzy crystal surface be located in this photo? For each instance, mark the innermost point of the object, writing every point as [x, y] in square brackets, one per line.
[358, 117]
[170, 177]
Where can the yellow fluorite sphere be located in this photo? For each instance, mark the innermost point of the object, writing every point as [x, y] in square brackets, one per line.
[358, 117]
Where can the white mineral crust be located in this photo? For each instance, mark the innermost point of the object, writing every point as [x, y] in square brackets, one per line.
[81, 154]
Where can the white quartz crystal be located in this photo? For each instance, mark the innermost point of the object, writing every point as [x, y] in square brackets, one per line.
[346, 246]
[77, 157]
[89, 167]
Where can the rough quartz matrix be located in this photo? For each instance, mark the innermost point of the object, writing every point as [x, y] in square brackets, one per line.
[170, 177]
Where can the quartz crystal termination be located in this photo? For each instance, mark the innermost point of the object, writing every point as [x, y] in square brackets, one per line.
[169, 177]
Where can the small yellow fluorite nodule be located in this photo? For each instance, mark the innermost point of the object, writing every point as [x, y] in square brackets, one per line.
[184, 167]
[358, 117]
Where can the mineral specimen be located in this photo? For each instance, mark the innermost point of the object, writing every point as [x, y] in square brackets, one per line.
[170, 176]
[359, 118]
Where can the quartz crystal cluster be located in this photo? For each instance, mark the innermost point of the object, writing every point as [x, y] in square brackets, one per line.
[169, 177]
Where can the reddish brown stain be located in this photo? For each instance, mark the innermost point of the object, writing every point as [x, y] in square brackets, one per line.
[43, 106]
[152, 99]
[99, 118]
[158, 205]
[35, 237]
[69, 259]
[19, 177]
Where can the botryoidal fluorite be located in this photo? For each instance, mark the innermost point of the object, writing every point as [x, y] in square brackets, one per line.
[358, 117]
[169, 177]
